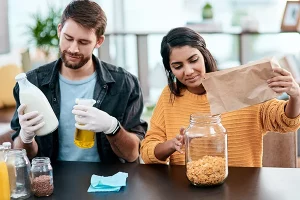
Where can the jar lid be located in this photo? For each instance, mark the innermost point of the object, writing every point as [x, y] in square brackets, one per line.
[16, 152]
[199, 117]
[41, 161]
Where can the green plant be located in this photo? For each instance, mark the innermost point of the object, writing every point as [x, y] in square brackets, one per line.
[43, 33]
[207, 11]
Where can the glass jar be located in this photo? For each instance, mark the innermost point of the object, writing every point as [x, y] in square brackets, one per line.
[84, 139]
[206, 150]
[18, 167]
[42, 177]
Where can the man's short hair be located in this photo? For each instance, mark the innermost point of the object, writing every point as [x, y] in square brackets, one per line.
[86, 13]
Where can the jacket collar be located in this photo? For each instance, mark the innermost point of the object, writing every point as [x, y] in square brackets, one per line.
[103, 74]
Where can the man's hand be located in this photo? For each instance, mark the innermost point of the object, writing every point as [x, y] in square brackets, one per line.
[29, 122]
[93, 119]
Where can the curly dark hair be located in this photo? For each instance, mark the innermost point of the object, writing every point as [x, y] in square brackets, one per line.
[179, 37]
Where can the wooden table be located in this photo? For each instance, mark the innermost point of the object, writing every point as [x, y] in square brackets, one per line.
[160, 182]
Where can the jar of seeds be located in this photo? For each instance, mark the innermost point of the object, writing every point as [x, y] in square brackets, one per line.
[42, 177]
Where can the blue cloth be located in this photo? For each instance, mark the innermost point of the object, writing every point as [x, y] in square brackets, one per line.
[108, 183]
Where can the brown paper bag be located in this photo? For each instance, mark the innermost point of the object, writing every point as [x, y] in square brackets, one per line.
[239, 87]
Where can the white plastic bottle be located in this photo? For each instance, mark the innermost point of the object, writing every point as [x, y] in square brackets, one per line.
[35, 100]
[6, 147]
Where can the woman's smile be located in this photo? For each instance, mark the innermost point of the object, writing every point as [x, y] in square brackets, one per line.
[192, 79]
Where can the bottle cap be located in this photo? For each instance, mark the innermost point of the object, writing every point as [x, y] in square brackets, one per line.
[86, 102]
[6, 145]
[20, 76]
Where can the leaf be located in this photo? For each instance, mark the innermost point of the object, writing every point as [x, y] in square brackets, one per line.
[43, 33]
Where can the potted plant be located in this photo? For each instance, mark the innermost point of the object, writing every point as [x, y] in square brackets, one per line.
[43, 32]
[207, 11]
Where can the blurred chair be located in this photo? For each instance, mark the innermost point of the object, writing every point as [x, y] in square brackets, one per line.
[5, 118]
[7, 83]
[8, 72]
[280, 150]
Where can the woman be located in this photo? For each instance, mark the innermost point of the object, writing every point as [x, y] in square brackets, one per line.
[186, 59]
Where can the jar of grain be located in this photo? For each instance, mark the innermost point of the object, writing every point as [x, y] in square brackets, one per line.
[42, 177]
[206, 150]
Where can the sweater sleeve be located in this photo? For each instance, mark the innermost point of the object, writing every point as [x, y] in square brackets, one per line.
[273, 117]
[155, 135]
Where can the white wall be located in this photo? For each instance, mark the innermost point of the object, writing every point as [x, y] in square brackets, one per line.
[19, 17]
[4, 35]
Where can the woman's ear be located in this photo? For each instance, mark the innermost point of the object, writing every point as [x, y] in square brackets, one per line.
[100, 41]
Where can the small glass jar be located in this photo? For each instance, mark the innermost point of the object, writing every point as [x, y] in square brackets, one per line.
[84, 139]
[18, 167]
[206, 150]
[42, 177]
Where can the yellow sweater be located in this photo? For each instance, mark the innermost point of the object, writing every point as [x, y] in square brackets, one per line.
[245, 127]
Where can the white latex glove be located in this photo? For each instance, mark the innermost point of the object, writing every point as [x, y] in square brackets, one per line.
[29, 122]
[93, 119]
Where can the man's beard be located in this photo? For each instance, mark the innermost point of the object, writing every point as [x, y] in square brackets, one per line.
[82, 60]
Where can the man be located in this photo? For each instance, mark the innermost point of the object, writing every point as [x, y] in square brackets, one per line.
[115, 116]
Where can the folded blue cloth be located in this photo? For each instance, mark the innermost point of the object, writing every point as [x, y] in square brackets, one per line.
[108, 183]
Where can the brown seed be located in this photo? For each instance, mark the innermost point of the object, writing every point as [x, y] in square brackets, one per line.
[210, 170]
[42, 185]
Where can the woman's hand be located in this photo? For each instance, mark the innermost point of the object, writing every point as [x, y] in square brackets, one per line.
[283, 81]
[179, 141]
[164, 150]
